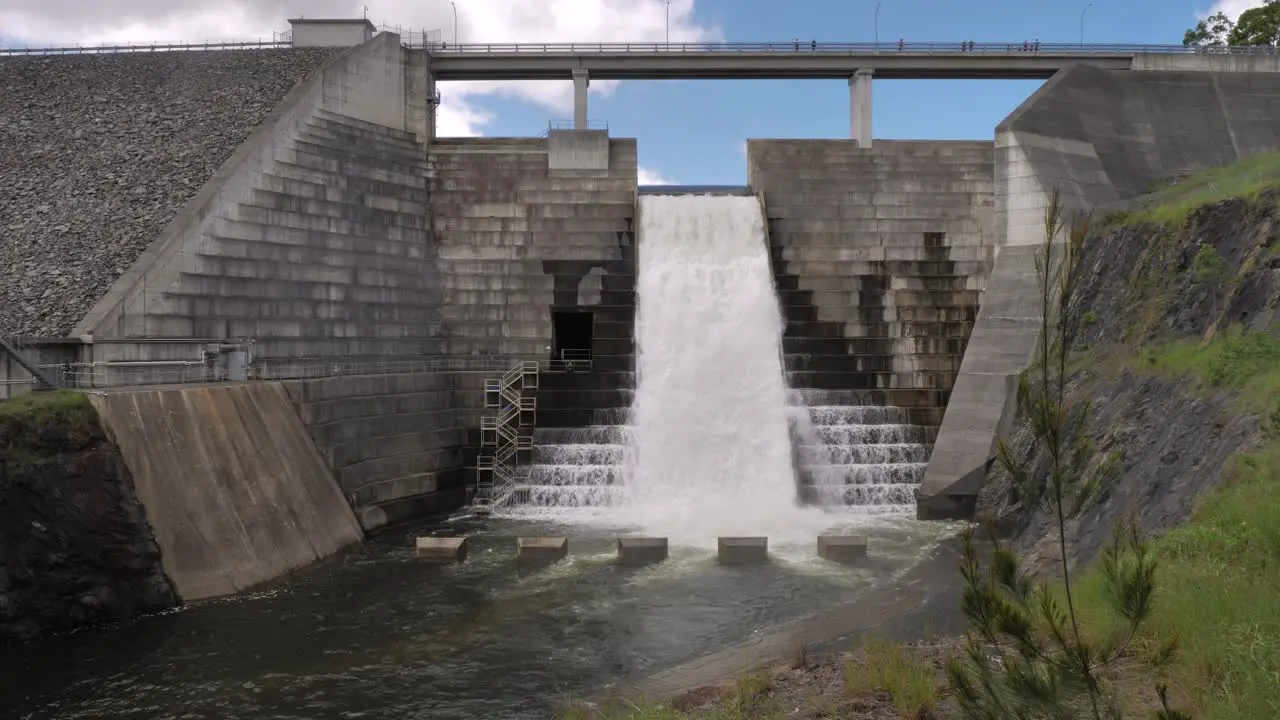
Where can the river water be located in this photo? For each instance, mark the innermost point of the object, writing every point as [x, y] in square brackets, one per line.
[375, 633]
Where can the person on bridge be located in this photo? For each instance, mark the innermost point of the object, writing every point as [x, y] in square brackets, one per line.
[813, 44]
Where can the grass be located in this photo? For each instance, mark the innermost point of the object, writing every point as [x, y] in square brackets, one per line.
[749, 698]
[891, 672]
[1171, 205]
[1219, 574]
[38, 424]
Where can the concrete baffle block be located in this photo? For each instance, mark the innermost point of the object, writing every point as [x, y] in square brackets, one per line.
[541, 550]
[843, 549]
[442, 549]
[743, 550]
[641, 550]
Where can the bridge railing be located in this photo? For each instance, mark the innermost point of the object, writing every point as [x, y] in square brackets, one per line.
[836, 48]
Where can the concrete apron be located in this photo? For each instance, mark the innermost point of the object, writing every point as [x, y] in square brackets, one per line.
[923, 602]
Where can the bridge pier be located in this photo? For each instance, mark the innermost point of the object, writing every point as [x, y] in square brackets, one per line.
[581, 81]
[860, 107]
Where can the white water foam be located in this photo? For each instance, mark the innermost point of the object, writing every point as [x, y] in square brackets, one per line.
[710, 451]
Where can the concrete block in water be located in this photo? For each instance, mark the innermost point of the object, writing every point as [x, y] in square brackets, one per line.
[442, 549]
[542, 550]
[641, 550]
[843, 549]
[743, 550]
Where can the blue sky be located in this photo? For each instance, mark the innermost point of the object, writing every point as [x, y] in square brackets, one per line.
[693, 131]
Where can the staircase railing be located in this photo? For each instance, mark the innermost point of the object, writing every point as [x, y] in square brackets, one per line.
[15, 349]
[505, 436]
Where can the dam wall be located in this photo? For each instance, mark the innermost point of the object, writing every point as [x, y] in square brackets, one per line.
[880, 256]
[1100, 137]
[313, 238]
[395, 442]
[233, 487]
[99, 152]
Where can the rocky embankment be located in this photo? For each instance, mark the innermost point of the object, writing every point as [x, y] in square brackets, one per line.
[75, 546]
[1144, 287]
[99, 152]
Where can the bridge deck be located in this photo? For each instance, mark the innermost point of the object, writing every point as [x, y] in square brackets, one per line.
[670, 61]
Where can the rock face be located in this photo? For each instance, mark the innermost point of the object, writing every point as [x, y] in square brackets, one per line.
[99, 152]
[1139, 289]
[75, 546]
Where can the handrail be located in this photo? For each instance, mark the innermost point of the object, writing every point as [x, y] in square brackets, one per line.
[149, 47]
[846, 48]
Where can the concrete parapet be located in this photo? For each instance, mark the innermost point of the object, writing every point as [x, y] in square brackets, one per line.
[541, 550]
[641, 550]
[578, 150]
[843, 549]
[742, 550]
[442, 549]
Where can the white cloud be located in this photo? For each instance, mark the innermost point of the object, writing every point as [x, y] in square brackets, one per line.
[1231, 8]
[652, 177]
[72, 22]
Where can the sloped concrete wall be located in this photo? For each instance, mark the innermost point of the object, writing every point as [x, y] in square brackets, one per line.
[233, 486]
[364, 84]
[1099, 136]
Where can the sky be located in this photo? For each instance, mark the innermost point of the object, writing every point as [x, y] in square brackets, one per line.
[689, 131]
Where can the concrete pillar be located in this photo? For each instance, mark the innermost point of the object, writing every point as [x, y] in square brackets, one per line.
[860, 107]
[580, 83]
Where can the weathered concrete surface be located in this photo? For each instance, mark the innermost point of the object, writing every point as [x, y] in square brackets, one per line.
[313, 237]
[394, 442]
[1099, 136]
[233, 486]
[99, 152]
[442, 549]
[541, 550]
[578, 150]
[843, 549]
[742, 550]
[75, 545]
[642, 550]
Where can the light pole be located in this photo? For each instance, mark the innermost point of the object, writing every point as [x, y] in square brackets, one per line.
[1082, 12]
[667, 17]
[455, 22]
[877, 24]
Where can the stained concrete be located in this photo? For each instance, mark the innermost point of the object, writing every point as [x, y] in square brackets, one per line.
[541, 550]
[641, 550]
[234, 489]
[843, 549]
[442, 549]
[742, 550]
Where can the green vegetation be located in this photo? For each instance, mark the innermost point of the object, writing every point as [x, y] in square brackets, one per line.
[1173, 203]
[750, 697]
[908, 685]
[38, 424]
[1257, 26]
[1246, 363]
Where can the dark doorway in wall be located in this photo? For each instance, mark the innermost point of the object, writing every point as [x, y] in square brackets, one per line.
[571, 334]
[935, 239]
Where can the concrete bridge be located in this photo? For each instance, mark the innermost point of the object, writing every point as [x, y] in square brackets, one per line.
[856, 63]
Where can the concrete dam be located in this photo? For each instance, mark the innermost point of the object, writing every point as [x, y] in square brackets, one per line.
[454, 321]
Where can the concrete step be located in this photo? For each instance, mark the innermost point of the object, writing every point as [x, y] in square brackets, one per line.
[468, 205]
[270, 288]
[414, 191]
[541, 238]
[470, 183]
[405, 202]
[398, 468]
[446, 223]
[528, 268]
[327, 117]
[266, 232]
[399, 444]
[810, 271]
[469, 313]
[413, 216]
[870, 380]
[505, 326]
[300, 221]
[345, 134]
[873, 363]
[298, 156]
[885, 329]
[812, 224]
[863, 314]
[837, 237]
[336, 151]
[861, 282]
[382, 273]
[278, 351]
[326, 249]
[301, 309]
[880, 254]
[879, 296]
[600, 252]
[167, 325]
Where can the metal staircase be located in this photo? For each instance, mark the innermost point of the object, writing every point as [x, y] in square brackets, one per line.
[15, 350]
[507, 437]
